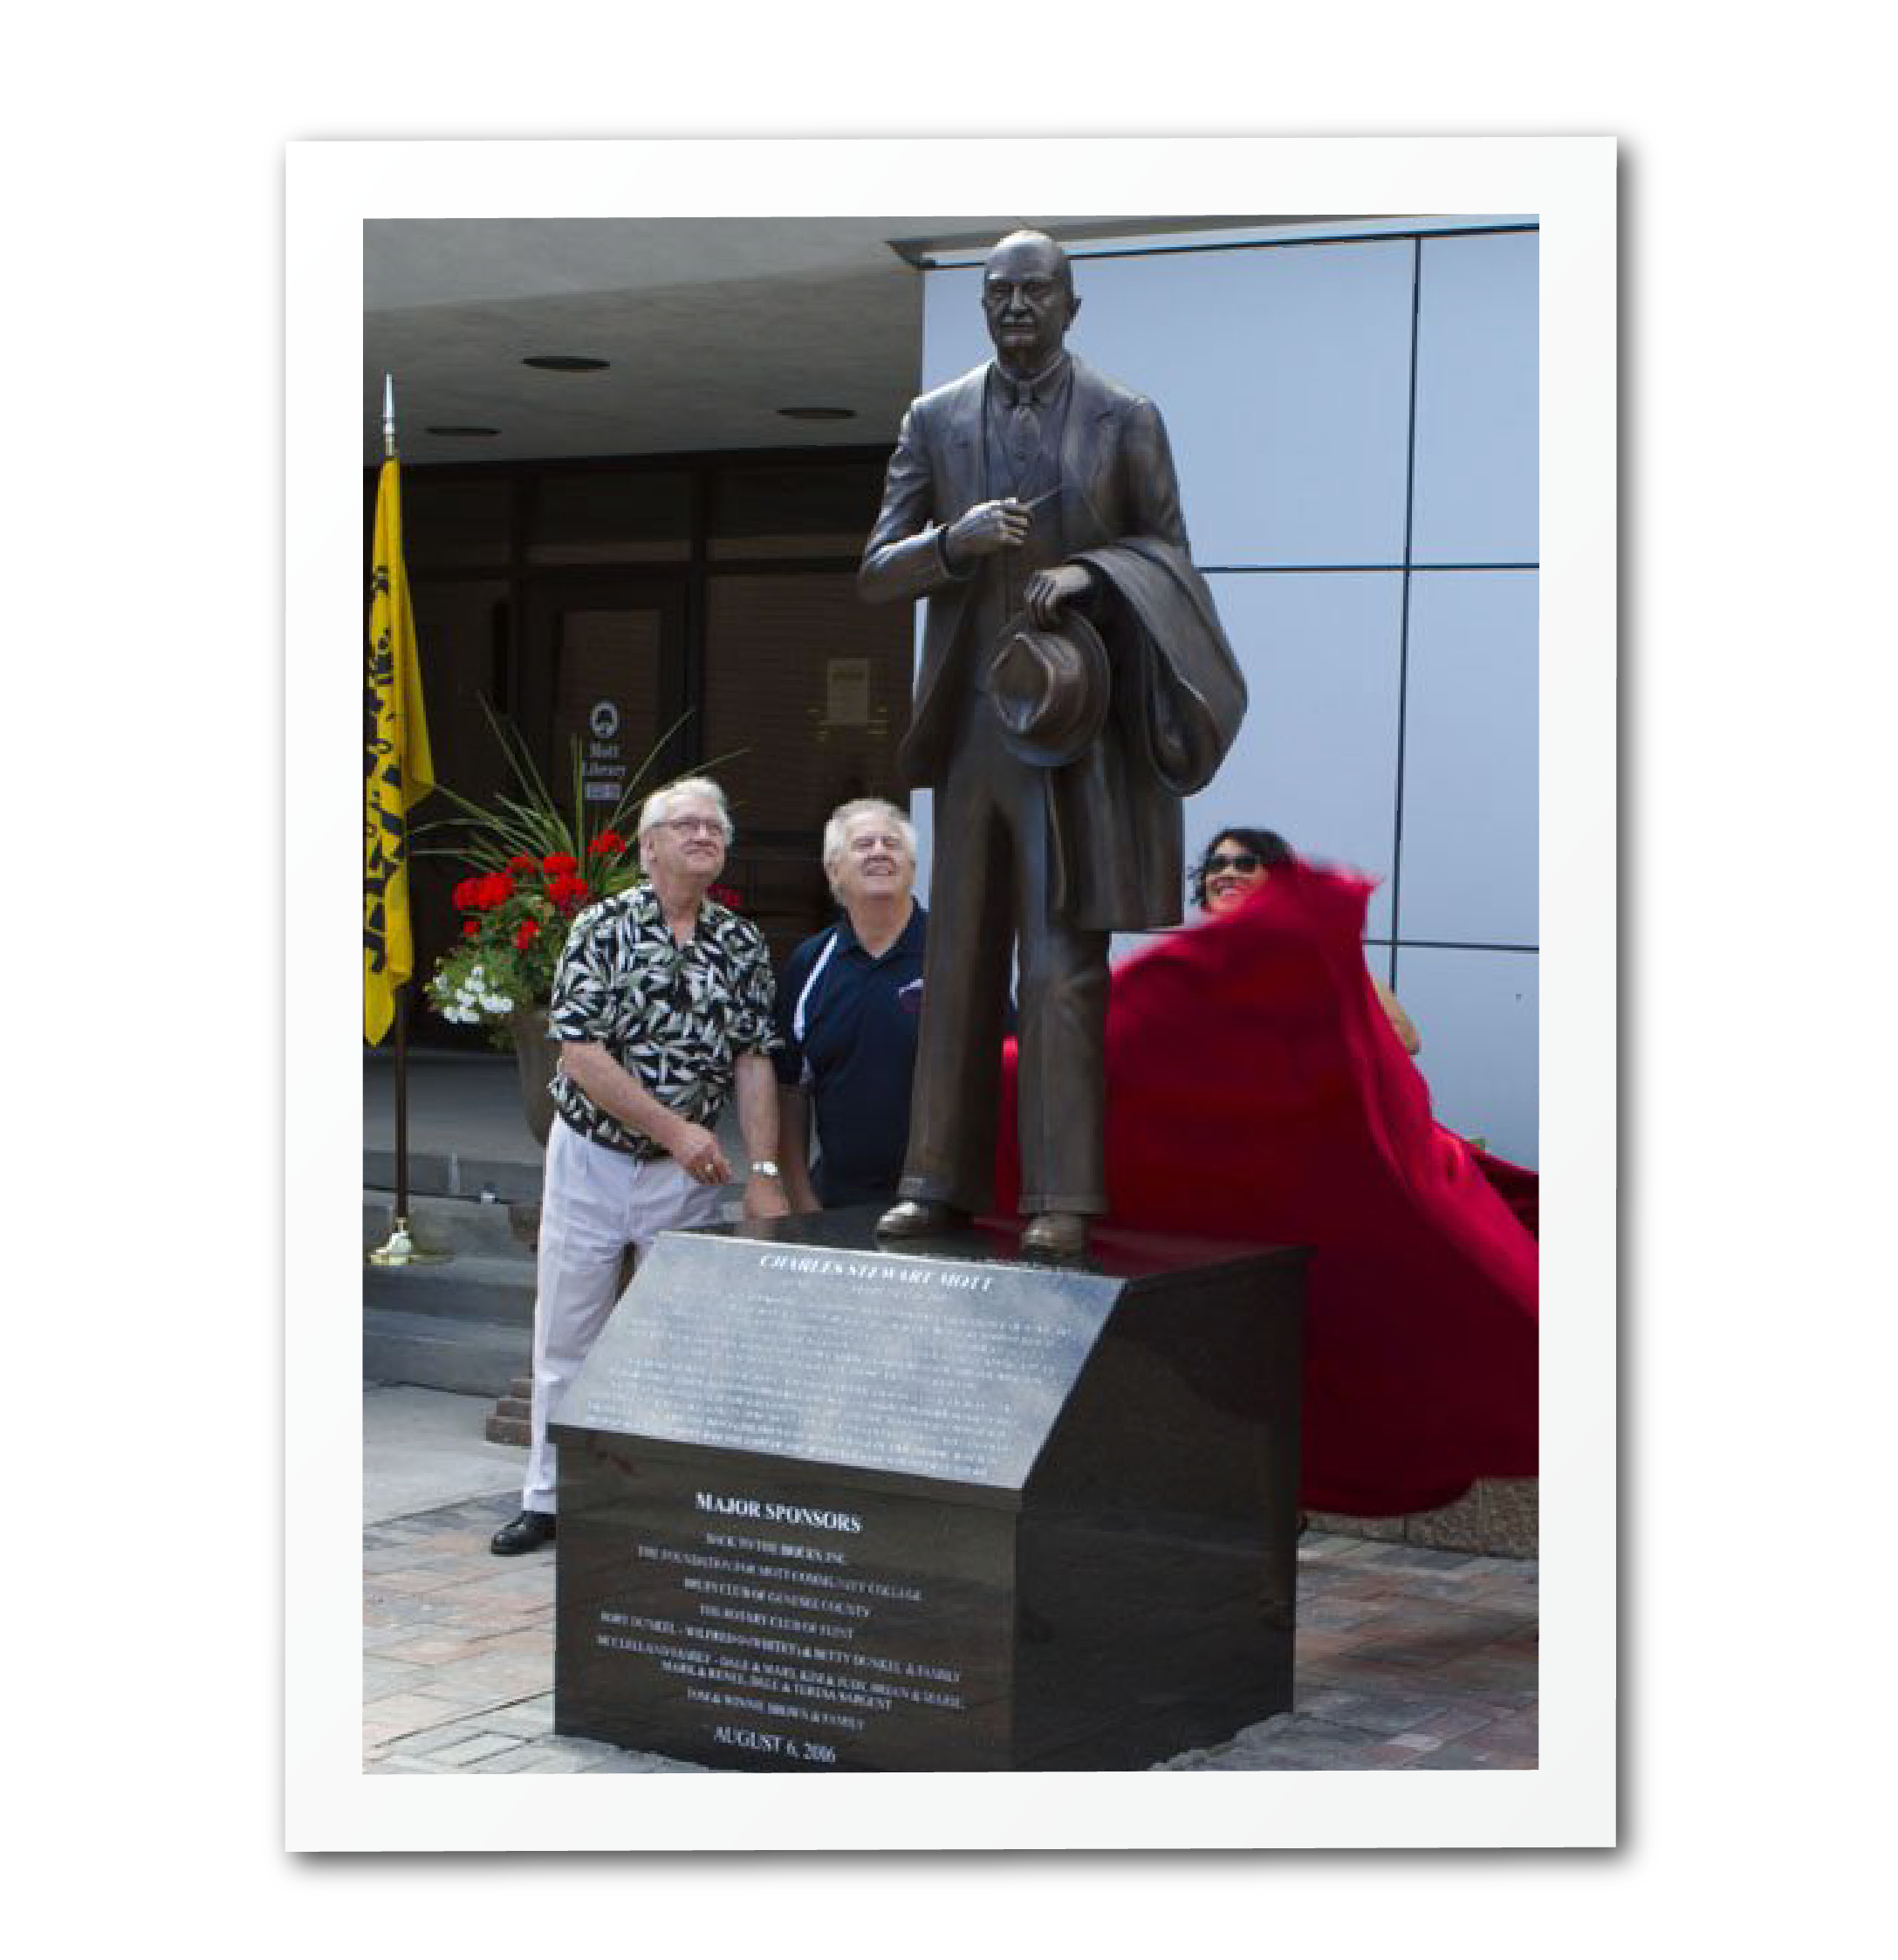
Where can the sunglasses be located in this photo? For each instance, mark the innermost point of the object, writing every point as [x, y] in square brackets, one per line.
[1244, 862]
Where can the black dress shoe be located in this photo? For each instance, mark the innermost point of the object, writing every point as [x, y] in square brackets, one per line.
[528, 1533]
[920, 1218]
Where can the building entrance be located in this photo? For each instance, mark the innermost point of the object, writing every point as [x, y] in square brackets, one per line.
[603, 688]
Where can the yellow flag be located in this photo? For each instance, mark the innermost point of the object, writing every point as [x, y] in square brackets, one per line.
[397, 771]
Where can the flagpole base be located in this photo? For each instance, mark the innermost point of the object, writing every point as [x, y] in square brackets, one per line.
[401, 1250]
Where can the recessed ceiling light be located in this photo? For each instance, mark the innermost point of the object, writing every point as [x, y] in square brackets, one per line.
[818, 414]
[566, 364]
[460, 428]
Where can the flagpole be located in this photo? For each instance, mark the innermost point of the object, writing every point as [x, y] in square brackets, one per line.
[402, 993]
[399, 1248]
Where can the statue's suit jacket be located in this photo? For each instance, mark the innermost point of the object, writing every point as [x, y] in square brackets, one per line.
[1114, 814]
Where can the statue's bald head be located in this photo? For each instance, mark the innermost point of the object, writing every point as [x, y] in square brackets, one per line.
[1028, 300]
[1044, 244]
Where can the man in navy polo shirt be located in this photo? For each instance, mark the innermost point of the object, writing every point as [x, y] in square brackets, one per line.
[848, 1003]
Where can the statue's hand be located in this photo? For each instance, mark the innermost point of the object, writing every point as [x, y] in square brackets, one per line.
[1061, 584]
[985, 529]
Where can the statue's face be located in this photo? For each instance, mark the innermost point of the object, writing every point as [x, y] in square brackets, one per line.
[1025, 301]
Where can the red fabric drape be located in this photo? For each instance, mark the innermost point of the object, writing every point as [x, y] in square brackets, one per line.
[1256, 1090]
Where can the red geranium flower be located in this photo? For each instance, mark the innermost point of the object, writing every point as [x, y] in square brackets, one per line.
[470, 928]
[559, 863]
[482, 894]
[521, 867]
[608, 840]
[526, 933]
[567, 892]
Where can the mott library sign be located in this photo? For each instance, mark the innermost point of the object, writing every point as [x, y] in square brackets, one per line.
[828, 1507]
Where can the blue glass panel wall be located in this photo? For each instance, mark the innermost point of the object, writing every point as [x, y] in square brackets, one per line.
[1477, 1012]
[1476, 497]
[1468, 862]
[1316, 758]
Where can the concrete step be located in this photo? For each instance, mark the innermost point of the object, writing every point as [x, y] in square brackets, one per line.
[512, 1416]
[462, 1226]
[501, 1291]
[424, 1350]
[451, 1174]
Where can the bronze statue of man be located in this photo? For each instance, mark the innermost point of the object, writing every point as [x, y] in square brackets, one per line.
[1075, 684]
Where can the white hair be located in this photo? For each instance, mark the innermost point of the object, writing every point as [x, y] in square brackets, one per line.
[658, 807]
[834, 845]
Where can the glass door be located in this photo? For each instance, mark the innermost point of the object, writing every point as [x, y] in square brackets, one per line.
[603, 682]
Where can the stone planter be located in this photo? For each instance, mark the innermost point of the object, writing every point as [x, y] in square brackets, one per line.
[536, 1053]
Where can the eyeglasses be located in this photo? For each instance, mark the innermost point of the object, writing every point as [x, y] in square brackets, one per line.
[688, 826]
[1244, 862]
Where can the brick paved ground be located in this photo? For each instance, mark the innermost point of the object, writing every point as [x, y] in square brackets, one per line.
[1407, 1659]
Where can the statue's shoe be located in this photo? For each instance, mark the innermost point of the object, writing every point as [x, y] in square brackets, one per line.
[920, 1218]
[1056, 1234]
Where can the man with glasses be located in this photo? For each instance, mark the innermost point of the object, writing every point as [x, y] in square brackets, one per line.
[663, 1008]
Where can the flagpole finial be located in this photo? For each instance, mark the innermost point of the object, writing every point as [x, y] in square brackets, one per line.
[389, 414]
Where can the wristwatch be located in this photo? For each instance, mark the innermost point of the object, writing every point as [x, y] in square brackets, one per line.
[765, 1167]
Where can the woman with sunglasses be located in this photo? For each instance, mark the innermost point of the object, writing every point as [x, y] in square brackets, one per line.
[1235, 865]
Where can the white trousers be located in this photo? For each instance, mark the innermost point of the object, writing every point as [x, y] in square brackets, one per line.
[594, 1202]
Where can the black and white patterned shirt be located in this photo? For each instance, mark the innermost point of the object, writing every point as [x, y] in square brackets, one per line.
[675, 1018]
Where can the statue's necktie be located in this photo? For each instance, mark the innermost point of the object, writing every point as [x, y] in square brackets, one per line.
[1024, 433]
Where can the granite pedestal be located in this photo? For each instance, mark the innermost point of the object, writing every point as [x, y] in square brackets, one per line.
[827, 1505]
